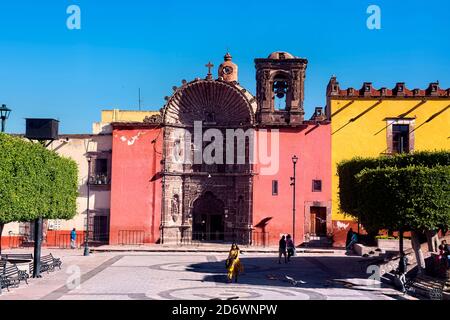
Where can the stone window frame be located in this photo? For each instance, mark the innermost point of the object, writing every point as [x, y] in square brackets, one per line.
[389, 132]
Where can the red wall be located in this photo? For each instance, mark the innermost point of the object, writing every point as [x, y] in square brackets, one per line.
[53, 238]
[136, 188]
[11, 242]
[312, 146]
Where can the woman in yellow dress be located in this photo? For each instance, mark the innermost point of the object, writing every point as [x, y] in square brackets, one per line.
[233, 264]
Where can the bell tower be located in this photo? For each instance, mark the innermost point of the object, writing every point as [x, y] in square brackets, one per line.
[280, 89]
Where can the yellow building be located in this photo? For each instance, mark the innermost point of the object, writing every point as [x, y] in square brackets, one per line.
[116, 115]
[369, 122]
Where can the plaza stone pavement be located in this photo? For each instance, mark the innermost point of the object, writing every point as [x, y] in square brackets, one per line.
[195, 276]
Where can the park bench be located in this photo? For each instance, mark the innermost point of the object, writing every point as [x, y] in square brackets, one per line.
[17, 257]
[11, 276]
[48, 264]
[3, 282]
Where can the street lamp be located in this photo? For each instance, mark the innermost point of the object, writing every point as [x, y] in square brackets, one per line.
[88, 183]
[4, 115]
[293, 180]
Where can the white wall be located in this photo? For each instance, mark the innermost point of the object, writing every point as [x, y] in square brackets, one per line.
[76, 148]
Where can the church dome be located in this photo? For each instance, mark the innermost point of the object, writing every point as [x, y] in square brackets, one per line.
[280, 55]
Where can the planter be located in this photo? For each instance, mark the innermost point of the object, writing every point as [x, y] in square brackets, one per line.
[393, 244]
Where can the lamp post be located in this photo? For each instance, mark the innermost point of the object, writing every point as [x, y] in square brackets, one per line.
[293, 180]
[88, 183]
[4, 115]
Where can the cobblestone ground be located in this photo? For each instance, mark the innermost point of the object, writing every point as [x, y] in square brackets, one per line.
[194, 276]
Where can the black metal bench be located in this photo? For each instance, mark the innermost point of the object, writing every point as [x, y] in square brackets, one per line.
[17, 257]
[11, 275]
[48, 264]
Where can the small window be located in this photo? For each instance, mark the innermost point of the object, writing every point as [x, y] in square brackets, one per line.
[99, 172]
[275, 187]
[400, 138]
[101, 166]
[317, 186]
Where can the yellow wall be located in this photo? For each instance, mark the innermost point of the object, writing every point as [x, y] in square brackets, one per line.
[117, 115]
[367, 136]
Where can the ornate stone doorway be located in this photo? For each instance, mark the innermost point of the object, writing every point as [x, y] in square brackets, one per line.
[207, 200]
[208, 216]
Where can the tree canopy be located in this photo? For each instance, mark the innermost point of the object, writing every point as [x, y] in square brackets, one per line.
[411, 198]
[35, 182]
[388, 191]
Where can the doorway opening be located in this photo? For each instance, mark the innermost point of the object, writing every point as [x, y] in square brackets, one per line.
[208, 216]
[318, 219]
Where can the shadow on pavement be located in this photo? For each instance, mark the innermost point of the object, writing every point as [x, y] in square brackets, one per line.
[301, 272]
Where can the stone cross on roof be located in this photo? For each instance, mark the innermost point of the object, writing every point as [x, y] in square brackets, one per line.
[209, 66]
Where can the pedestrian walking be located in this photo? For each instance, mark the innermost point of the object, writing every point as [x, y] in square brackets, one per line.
[290, 247]
[282, 249]
[73, 239]
[402, 269]
[233, 263]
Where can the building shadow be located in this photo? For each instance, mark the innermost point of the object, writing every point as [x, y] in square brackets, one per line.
[300, 272]
[358, 116]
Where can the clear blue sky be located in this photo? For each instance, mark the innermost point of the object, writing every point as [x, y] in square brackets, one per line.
[49, 71]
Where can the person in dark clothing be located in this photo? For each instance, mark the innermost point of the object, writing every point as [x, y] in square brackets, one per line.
[290, 247]
[402, 269]
[444, 256]
[282, 249]
[353, 240]
[349, 237]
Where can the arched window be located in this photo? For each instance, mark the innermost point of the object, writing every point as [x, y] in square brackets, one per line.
[280, 90]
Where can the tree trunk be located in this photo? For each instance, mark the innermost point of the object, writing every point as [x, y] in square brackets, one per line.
[400, 237]
[433, 240]
[1, 231]
[37, 247]
[418, 251]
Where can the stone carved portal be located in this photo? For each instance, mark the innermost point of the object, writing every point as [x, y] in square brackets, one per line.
[212, 202]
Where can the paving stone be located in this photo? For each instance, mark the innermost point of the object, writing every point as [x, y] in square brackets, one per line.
[201, 275]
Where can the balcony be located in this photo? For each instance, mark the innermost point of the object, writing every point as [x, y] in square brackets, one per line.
[100, 181]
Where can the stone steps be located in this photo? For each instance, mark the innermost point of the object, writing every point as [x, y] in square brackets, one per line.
[318, 242]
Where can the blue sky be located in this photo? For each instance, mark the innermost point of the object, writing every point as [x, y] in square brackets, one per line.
[48, 70]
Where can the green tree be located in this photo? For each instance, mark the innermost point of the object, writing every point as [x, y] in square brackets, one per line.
[35, 182]
[408, 192]
[413, 199]
[348, 170]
